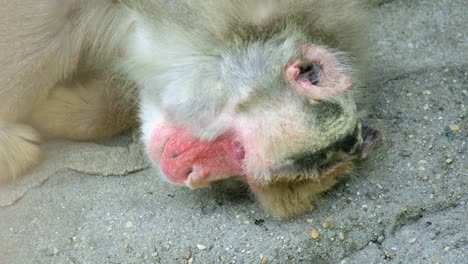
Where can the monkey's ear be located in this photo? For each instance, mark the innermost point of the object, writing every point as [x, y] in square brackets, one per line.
[317, 74]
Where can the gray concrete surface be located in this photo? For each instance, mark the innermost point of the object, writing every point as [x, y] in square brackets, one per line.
[101, 203]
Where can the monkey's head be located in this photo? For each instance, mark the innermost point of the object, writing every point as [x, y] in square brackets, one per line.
[271, 111]
[268, 104]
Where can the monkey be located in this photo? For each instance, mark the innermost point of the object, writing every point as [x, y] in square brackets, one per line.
[262, 91]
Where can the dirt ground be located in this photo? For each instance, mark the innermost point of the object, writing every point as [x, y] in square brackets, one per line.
[102, 203]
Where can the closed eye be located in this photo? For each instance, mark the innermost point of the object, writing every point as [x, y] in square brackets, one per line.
[323, 158]
[311, 160]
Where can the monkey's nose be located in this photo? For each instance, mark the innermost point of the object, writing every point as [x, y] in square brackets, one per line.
[178, 175]
[187, 160]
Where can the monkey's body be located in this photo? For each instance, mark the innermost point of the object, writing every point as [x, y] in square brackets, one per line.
[56, 76]
[255, 90]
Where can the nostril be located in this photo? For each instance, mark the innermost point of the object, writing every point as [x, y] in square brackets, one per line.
[188, 173]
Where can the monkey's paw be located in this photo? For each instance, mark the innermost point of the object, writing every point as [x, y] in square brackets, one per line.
[19, 150]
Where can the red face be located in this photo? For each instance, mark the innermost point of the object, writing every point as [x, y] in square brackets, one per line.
[281, 139]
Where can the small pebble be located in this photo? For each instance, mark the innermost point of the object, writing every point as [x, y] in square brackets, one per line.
[353, 216]
[446, 248]
[423, 162]
[315, 234]
[341, 236]
[449, 161]
[187, 253]
[264, 260]
[424, 178]
[405, 153]
[427, 92]
[310, 220]
[380, 239]
[412, 240]
[201, 247]
[326, 225]
[454, 128]
[129, 224]
[422, 169]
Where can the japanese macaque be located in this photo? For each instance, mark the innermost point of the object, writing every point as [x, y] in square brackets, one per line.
[262, 90]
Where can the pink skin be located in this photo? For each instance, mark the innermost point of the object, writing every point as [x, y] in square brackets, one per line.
[186, 160]
[332, 82]
[195, 163]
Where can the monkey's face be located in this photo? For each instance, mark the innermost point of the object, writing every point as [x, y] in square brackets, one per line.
[286, 122]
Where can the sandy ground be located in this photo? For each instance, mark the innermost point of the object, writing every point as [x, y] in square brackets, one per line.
[101, 203]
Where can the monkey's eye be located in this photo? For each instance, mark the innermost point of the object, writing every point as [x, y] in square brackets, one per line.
[311, 72]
